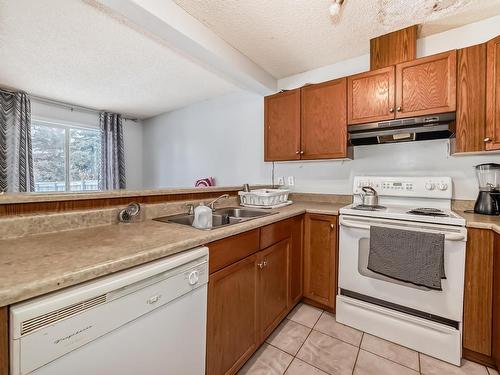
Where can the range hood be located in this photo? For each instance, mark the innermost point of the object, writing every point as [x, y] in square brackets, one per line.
[420, 128]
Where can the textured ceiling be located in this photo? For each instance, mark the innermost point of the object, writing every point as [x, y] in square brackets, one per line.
[286, 37]
[70, 51]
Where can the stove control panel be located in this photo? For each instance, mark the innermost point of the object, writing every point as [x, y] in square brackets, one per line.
[424, 187]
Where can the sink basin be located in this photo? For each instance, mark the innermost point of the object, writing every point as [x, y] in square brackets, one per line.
[220, 217]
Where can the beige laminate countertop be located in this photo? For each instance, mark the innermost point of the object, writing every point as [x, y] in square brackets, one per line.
[34, 265]
[481, 221]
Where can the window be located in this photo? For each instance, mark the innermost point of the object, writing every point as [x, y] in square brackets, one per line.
[65, 157]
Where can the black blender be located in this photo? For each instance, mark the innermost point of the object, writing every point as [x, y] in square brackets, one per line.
[488, 177]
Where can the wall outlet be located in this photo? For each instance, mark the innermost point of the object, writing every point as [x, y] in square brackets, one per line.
[291, 181]
[281, 181]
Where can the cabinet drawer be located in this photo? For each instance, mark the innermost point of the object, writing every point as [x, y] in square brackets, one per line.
[274, 233]
[229, 250]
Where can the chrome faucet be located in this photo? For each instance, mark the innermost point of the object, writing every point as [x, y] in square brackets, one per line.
[212, 204]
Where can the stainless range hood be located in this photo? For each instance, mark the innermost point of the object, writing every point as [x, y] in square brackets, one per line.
[421, 128]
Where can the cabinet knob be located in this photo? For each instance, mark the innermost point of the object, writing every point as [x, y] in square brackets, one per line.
[398, 109]
[301, 152]
[297, 152]
[332, 226]
[265, 263]
[487, 139]
[391, 110]
[261, 265]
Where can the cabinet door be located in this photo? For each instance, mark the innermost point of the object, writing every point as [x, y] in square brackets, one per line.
[232, 317]
[471, 99]
[296, 261]
[496, 301]
[273, 285]
[320, 259]
[427, 85]
[370, 96]
[493, 95]
[282, 126]
[4, 340]
[324, 120]
[478, 291]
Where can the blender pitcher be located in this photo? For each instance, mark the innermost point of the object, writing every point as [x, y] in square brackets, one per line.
[488, 178]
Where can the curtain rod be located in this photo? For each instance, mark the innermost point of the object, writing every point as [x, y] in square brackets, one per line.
[71, 107]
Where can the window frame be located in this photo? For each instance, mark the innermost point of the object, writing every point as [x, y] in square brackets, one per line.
[67, 126]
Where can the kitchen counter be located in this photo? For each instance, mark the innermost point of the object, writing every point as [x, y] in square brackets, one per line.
[481, 221]
[34, 265]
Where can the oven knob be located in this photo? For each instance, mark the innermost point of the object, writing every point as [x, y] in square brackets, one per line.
[193, 277]
[429, 186]
[442, 186]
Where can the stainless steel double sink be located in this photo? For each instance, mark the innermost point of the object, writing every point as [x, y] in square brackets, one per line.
[220, 217]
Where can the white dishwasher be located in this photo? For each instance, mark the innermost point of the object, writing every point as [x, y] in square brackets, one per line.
[148, 320]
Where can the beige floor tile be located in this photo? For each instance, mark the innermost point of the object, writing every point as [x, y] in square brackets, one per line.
[289, 336]
[371, 364]
[328, 354]
[492, 371]
[298, 367]
[433, 366]
[329, 326]
[390, 350]
[305, 315]
[267, 361]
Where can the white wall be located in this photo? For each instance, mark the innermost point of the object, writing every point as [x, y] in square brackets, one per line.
[132, 135]
[223, 137]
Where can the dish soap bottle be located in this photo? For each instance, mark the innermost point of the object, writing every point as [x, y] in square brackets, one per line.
[202, 217]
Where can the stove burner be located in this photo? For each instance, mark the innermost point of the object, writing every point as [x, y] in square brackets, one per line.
[364, 207]
[426, 211]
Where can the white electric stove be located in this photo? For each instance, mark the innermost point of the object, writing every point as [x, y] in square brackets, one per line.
[429, 321]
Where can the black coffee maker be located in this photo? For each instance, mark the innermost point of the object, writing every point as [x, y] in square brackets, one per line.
[488, 200]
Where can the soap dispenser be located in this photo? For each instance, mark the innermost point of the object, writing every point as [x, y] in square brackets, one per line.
[202, 217]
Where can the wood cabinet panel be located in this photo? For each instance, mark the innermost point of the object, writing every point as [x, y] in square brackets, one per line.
[273, 286]
[393, 48]
[4, 340]
[232, 317]
[296, 260]
[282, 126]
[478, 291]
[324, 120]
[370, 96]
[471, 99]
[320, 259]
[232, 249]
[493, 94]
[496, 301]
[276, 232]
[427, 85]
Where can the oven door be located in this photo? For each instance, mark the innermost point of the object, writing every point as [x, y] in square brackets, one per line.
[354, 275]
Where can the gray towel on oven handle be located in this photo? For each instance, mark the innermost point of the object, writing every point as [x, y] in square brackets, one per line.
[405, 255]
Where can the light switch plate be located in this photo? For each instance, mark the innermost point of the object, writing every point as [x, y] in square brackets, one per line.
[291, 181]
[281, 180]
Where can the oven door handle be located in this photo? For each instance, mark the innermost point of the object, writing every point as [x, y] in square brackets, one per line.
[353, 224]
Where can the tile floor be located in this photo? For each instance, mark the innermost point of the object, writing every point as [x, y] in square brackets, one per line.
[311, 342]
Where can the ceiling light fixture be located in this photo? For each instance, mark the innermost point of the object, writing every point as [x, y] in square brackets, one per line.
[335, 7]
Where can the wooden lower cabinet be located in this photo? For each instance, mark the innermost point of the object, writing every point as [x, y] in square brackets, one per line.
[4, 340]
[232, 316]
[273, 286]
[320, 259]
[496, 301]
[296, 260]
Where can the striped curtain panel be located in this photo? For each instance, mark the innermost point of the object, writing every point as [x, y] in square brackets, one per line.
[16, 158]
[112, 152]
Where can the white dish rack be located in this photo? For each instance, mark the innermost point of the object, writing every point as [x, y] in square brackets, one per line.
[264, 197]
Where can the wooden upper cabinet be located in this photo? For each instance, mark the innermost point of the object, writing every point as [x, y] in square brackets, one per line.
[426, 86]
[232, 323]
[370, 96]
[282, 126]
[324, 120]
[273, 285]
[320, 259]
[471, 99]
[493, 94]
